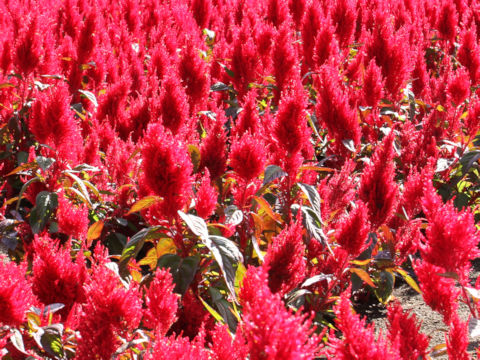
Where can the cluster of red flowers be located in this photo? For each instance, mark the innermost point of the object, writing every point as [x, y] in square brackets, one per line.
[227, 179]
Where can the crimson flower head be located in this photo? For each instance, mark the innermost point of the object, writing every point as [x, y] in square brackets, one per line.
[206, 200]
[285, 58]
[161, 302]
[167, 168]
[270, 330]
[28, 47]
[458, 340]
[16, 295]
[447, 21]
[110, 310]
[352, 230]
[174, 109]
[285, 260]
[438, 292]
[469, 53]
[372, 90]
[72, 219]
[458, 87]
[247, 157]
[452, 237]
[358, 339]
[405, 329]
[213, 149]
[378, 188]
[56, 278]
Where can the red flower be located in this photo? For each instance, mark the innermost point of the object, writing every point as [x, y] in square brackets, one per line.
[247, 157]
[167, 169]
[457, 340]
[72, 219]
[206, 200]
[270, 330]
[161, 302]
[378, 188]
[452, 237]
[16, 295]
[458, 87]
[404, 330]
[56, 278]
[285, 260]
[352, 230]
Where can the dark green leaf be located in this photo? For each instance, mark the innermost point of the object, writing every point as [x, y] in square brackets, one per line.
[385, 282]
[468, 159]
[183, 270]
[45, 204]
[51, 340]
[224, 308]
[133, 247]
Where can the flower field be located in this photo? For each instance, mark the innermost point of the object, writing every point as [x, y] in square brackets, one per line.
[230, 179]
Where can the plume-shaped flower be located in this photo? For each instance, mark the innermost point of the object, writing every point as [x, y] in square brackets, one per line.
[352, 230]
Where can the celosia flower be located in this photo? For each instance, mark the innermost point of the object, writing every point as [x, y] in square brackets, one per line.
[285, 259]
[352, 230]
[53, 123]
[469, 54]
[28, 47]
[452, 237]
[270, 330]
[16, 295]
[344, 16]
[358, 340]
[72, 219]
[438, 292]
[284, 59]
[458, 87]
[110, 311]
[174, 109]
[447, 21]
[326, 45]
[248, 120]
[202, 10]
[247, 157]
[226, 348]
[180, 348]
[213, 149]
[167, 168]
[378, 188]
[206, 200]
[56, 278]
[161, 302]
[457, 340]
[404, 330]
[372, 89]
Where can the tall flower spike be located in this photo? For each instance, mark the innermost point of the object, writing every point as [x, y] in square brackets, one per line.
[15, 293]
[167, 169]
[270, 330]
[247, 157]
[405, 330]
[206, 200]
[285, 260]
[358, 339]
[457, 340]
[161, 302]
[56, 278]
[174, 109]
[452, 237]
[352, 230]
[378, 188]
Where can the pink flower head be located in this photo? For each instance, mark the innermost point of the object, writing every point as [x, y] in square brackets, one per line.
[458, 87]
[457, 340]
[285, 260]
[16, 295]
[174, 109]
[161, 302]
[447, 21]
[213, 149]
[167, 168]
[226, 348]
[372, 90]
[469, 54]
[28, 46]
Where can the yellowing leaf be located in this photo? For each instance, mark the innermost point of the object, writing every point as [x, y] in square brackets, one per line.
[265, 206]
[150, 259]
[362, 274]
[94, 232]
[166, 246]
[144, 203]
[410, 281]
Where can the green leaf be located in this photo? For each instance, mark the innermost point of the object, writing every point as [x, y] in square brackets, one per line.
[45, 204]
[133, 247]
[183, 270]
[224, 308]
[51, 340]
[273, 172]
[385, 282]
[468, 159]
